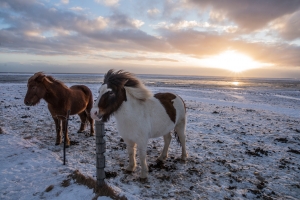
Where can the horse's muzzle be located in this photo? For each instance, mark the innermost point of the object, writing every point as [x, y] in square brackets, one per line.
[95, 114]
[27, 103]
[97, 117]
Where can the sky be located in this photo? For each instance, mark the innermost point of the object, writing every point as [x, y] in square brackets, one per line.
[251, 38]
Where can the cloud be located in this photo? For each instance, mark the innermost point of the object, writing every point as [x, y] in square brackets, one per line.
[35, 28]
[77, 8]
[179, 25]
[139, 58]
[108, 2]
[153, 12]
[129, 40]
[44, 19]
[195, 42]
[137, 23]
[54, 31]
[203, 44]
[120, 21]
[184, 24]
[249, 15]
[65, 1]
[288, 26]
[88, 26]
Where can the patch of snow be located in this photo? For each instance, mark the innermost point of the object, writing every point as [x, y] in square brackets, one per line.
[242, 144]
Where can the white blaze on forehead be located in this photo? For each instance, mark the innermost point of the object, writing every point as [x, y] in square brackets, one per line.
[102, 90]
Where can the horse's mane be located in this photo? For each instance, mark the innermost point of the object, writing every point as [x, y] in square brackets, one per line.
[130, 82]
[50, 78]
[35, 76]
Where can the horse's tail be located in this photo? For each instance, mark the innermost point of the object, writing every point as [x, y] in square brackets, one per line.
[180, 127]
[88, 94]
[183, 103]
[91, 102]
[85, 90]
[177, 137]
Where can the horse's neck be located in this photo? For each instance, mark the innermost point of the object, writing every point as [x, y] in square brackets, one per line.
[55, 93]
[130, 109]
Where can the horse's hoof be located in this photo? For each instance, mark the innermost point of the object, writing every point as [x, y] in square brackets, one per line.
[80, 131]
[161, 158]
[57, 143]
[67, 145]
[143, 180]
[92, 134]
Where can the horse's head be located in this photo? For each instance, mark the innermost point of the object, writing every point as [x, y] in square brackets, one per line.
[36, 90]
[111, 95]
[113, 92]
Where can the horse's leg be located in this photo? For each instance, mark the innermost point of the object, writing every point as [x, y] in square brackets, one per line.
[88, 112]
[131, 150]
[58, 130]
[164, 153]
[92, 132]
[65, 132]
[83, 120]
[180, 129]
[142, 151]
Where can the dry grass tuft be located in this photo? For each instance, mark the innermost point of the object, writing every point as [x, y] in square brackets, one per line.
[104, 190]
[65, 183]
[49, 188]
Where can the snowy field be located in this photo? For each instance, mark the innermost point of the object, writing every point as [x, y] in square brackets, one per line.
[242, 144]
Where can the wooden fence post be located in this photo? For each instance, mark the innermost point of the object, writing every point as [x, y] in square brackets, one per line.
[100, 150]
[65, 135]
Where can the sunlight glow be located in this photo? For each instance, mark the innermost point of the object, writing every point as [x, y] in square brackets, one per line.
[233, 61]
[235, 83]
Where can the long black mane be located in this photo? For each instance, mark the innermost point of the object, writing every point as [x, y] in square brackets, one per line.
[121, 78]
[121, 84]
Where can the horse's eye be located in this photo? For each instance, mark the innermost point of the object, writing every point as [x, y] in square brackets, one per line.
[111, 93]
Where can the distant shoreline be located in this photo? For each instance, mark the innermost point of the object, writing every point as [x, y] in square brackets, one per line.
[158, 76]
[201, 82]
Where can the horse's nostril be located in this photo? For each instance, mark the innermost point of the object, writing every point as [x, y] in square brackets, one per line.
[95, 113]
[27, 103]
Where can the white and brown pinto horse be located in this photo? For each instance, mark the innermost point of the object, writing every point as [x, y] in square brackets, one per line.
[140, 115]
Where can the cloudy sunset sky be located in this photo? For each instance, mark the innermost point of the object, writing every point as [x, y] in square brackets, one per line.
[251, 38]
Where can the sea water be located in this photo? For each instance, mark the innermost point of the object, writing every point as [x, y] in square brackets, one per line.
[171, 81]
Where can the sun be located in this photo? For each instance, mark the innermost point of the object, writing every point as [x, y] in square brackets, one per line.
[232, 61]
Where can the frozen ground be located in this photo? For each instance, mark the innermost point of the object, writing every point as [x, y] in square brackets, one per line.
[242, 144]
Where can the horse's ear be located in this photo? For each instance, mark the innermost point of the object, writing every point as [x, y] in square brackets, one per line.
[47, 80]
[39, 77]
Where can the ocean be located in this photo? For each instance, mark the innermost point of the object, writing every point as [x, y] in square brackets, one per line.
[172, 81]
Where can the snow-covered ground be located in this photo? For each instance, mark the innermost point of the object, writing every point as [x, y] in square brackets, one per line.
[242, 144]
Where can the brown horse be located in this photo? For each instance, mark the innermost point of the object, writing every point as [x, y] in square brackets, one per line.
[78, 99]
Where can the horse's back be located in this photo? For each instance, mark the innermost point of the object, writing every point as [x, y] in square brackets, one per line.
[82, 88]
[84, 93]
[173, 105]
[168, 111]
